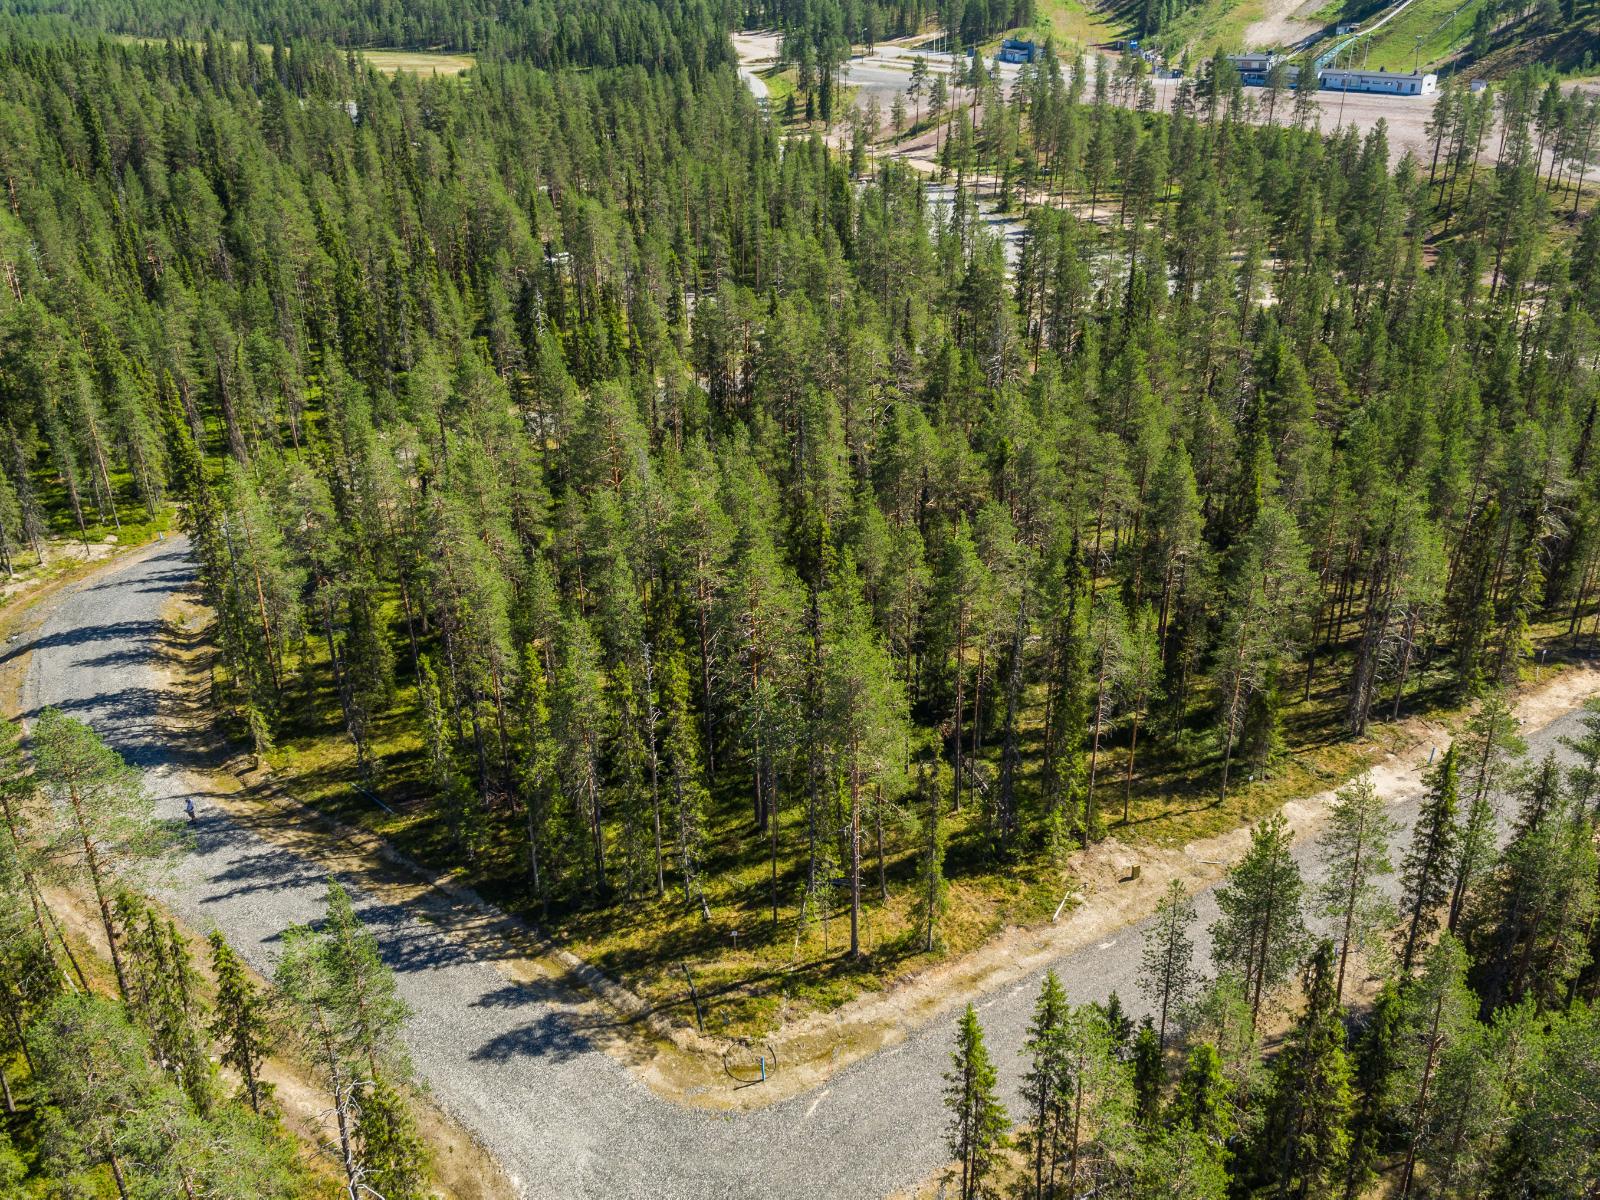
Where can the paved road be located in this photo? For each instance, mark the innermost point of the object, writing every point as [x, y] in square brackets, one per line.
[513, 1062]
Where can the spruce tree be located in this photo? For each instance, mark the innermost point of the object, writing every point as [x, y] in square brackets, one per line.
[165, 1000]
[1046, 1085]
[1425, 872]
[390, 1146]
[1584, 774]
[1527, 932]
[1149, 1074]
[1437, 1013]
[1374, 1062]
[1201, 1099]
[978, 1122]
[239, 1020]
[1303, 1147]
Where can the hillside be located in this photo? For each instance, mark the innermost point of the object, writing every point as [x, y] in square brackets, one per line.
[1482, 37]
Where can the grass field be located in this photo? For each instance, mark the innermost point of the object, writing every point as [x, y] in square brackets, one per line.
[419, 62]
[1212, 24]
[414, 62]
[1076, 21]
[1443, 26]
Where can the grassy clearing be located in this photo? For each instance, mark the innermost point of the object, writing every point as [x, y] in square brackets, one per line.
[1076, 21]
[1443, 25]
[1212, 25]
[390, 62]
[419, 62]
[780, 85]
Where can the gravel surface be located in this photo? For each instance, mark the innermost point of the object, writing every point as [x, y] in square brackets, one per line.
[513, 1062]
[886, 71]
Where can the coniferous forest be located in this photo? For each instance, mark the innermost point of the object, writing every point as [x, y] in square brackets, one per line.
[682, 521]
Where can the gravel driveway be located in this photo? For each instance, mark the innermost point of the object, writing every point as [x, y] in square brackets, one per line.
[514, 1062]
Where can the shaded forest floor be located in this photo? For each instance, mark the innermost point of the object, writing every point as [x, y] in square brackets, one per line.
[754, 977]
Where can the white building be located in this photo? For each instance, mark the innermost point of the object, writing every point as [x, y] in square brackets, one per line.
[1388, 83]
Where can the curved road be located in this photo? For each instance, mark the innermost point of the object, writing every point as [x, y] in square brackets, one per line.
[513, 1062]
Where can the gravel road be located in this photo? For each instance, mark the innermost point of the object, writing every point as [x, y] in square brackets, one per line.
[513, 1062]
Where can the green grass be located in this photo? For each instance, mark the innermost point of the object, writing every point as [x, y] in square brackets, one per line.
[780, 85]
[419, 62]
[1075, 21]
[1443, 25]
[133, 526]
[1212, 25]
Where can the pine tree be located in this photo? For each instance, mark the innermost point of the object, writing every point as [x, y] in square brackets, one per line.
[102, 820]
[1141, 674]
[92, 1064]
[348, 1018]
[1488, 751]
[978, 1122]
[1108, 649]
[932, 898]
[959, 589]
[239, 1020]
[539, 779]
[1266, 602]
[1099, 1138]
[23, 860]
[1261, 934]
[865, 712]
[1425, 873]
[681, 756]
[579, 701]
[1167, 976]
[1355, 853]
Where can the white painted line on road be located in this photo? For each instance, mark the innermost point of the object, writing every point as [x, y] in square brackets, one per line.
[816, 1102]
